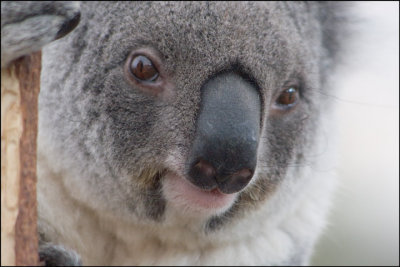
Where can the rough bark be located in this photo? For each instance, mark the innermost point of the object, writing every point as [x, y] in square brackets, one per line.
[20, 84]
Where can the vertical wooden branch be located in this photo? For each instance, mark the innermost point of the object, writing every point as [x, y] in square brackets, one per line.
[11, 132]
[20, 85]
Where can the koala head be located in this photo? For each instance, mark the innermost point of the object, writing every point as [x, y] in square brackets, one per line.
[203, 109]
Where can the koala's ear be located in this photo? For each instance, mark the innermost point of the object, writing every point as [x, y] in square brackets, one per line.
[27, 26]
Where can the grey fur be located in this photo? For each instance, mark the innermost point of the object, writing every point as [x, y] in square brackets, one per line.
[26, 26]
[108, 141]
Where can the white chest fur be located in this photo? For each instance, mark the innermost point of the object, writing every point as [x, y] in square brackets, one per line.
[263, 236]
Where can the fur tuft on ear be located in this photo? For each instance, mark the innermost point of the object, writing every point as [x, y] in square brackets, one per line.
[28, 26]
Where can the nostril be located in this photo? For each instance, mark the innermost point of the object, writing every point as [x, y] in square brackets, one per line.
[202, 174]
[236, 182]
[204, 168]
[244, 174]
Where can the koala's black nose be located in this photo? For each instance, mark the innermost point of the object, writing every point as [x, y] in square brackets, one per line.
[224, 151]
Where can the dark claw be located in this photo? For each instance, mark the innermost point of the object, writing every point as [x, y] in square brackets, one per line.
[55, 255]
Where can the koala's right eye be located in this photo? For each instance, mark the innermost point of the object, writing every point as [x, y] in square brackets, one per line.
[143, 69]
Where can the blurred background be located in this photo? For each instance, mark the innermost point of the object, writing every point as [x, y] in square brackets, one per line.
[364, 223]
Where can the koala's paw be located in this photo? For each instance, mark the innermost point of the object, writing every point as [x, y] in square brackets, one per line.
[56, 255]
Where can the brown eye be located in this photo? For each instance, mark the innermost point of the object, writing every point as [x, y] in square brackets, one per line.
[143, 69]
[288, 97]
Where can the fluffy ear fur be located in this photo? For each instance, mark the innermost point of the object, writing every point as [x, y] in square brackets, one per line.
[114, 150]
[26, 27]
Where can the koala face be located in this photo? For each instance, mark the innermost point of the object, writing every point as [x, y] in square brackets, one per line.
[204, 109]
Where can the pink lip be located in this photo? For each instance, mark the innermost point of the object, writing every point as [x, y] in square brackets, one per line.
[182, 192]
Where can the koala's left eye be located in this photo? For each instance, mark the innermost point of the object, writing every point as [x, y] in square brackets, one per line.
[143, 69]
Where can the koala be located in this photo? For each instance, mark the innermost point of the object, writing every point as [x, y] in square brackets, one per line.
[27, 26]
[188, 133]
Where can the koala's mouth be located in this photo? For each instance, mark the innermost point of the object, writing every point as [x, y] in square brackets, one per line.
[183, 195]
